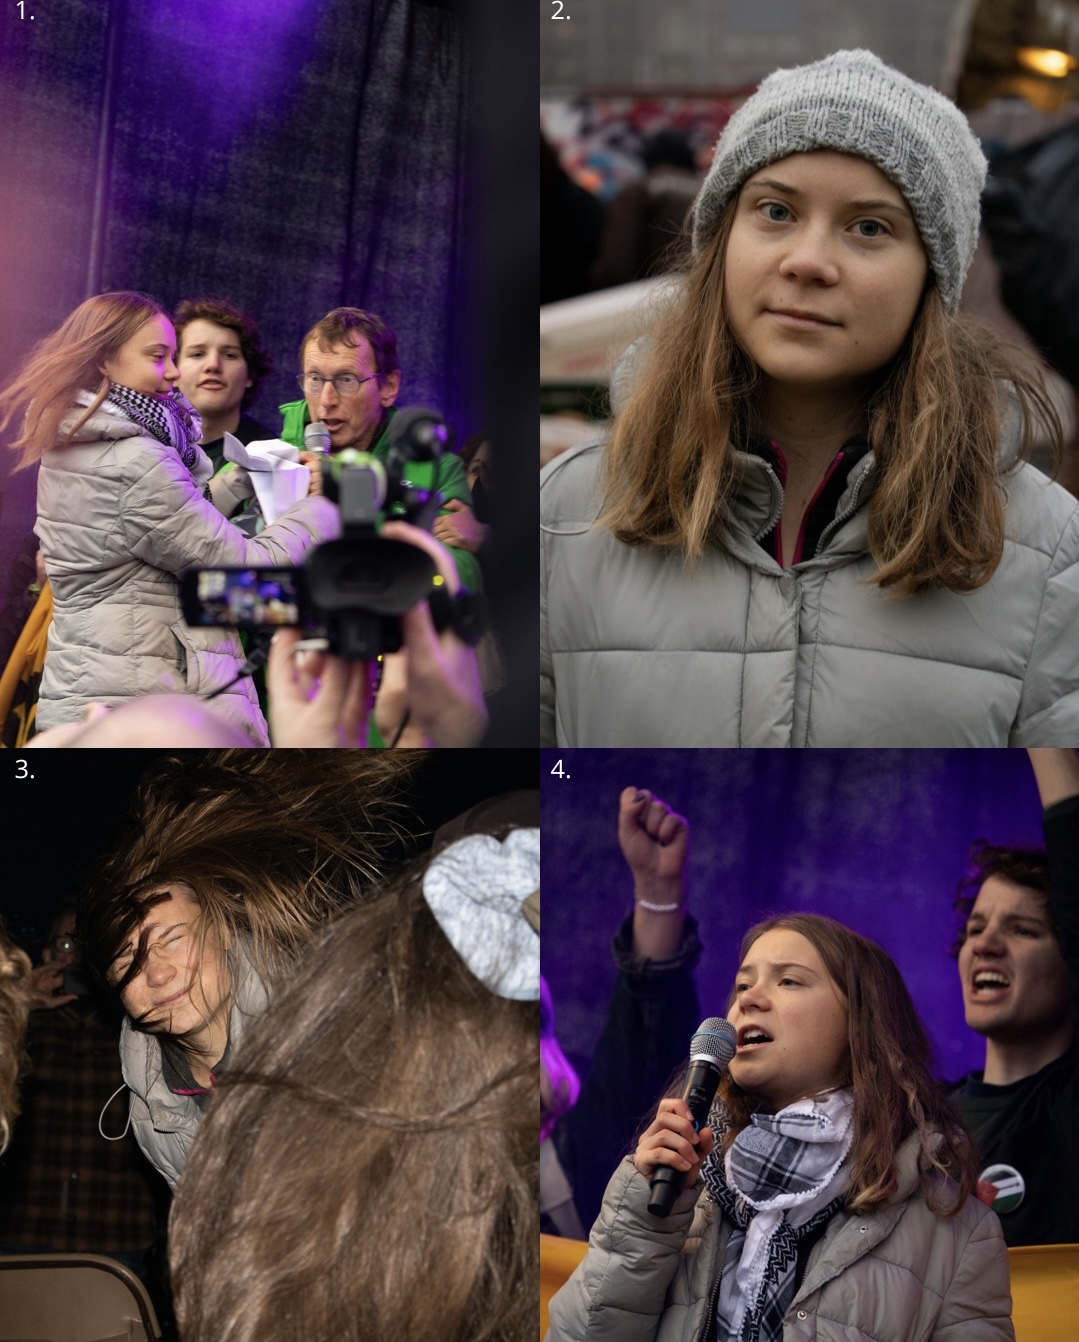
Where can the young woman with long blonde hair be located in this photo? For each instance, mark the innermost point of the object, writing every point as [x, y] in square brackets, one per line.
[123, 510]
[812, 524]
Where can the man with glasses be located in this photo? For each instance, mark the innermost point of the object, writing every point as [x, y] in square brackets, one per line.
[350, 377]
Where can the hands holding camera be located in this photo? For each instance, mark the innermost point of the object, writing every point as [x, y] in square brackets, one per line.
[430, 693]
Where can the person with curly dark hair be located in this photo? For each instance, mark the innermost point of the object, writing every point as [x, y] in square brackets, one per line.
[222, 362]
[1018, 958]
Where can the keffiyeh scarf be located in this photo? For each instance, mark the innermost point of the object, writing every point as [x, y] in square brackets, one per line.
[783, 1178]
[171, 419]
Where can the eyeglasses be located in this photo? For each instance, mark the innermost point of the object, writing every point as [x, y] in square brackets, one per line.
[345, 384]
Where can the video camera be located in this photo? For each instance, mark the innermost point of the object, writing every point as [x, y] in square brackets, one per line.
[350, 592]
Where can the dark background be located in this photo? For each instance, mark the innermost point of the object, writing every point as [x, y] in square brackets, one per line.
[293, 157]
[58, 821]
[874, 838]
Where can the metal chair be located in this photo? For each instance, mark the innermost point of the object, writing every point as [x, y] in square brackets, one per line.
[73, 1297]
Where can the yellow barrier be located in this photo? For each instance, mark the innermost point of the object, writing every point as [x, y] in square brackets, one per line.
[1045, 1291]
[1045, 1285]
[558, 1258]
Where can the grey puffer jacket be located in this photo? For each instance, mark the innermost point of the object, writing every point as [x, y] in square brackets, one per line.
[638, 651]
[896, 1274]
[163, 1122]
[120, 518]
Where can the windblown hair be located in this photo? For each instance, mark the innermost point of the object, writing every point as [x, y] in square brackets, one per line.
[14, 1011]
[368, 1167]
[891, 1076]
[223, 313]
[933, 419]
[66, 362]
[270, 844]
[1025, 866]
[343, 325]
[559, 1083]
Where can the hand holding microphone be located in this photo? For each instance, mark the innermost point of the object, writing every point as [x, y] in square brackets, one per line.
[316, 446]
[671, 1149]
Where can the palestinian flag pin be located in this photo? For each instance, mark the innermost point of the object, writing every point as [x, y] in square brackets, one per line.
[1001, 1187]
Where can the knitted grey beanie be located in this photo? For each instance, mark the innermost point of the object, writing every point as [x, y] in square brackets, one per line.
[852, 102]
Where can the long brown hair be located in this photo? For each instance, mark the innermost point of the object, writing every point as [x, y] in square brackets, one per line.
[368, 1168]
[270, 844]
[895, 1092]
[933, 419]
[69, 361]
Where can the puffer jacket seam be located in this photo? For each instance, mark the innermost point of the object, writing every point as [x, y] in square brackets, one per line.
[1052, 570]
[744, 653]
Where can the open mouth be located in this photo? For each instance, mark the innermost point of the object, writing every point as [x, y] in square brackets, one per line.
[989, 981]
[751, 1036]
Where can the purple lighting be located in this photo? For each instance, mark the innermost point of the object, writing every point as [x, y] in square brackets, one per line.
[874, 838]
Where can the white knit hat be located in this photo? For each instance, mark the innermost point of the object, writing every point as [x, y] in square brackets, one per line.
[852, 102]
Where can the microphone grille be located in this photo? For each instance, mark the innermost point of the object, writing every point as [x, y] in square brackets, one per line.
[316, 437]
[715, 1038]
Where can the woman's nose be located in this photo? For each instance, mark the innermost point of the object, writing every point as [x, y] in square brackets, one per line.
[158, 969]
[810, 257]
[753, 999]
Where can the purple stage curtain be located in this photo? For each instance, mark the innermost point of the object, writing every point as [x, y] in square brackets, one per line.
[874, 838]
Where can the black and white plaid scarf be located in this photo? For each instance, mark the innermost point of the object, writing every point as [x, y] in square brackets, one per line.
[783, 1178]
[171, 419]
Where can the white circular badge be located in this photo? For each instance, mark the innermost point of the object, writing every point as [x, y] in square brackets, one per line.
[1001, 1187]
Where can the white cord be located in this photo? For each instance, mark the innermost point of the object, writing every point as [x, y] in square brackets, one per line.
[101, 1116]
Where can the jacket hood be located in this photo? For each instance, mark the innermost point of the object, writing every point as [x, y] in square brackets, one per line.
[107, 422]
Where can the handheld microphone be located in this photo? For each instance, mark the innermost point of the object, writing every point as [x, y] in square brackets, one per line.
[316, 438]
[710, 1050]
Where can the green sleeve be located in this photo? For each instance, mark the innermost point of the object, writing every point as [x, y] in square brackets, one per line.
[448, 476]
[294, 420]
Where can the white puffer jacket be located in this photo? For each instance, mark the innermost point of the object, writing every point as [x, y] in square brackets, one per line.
[636, 650]
[898, 1273]
[120, 518]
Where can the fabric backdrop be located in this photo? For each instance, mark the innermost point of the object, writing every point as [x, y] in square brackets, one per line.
[289, 156]
[874, 838]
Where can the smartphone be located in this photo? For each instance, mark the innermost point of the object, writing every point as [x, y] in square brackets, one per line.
[241, 598]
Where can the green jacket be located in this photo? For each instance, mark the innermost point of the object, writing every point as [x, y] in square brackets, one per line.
[447, 475]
